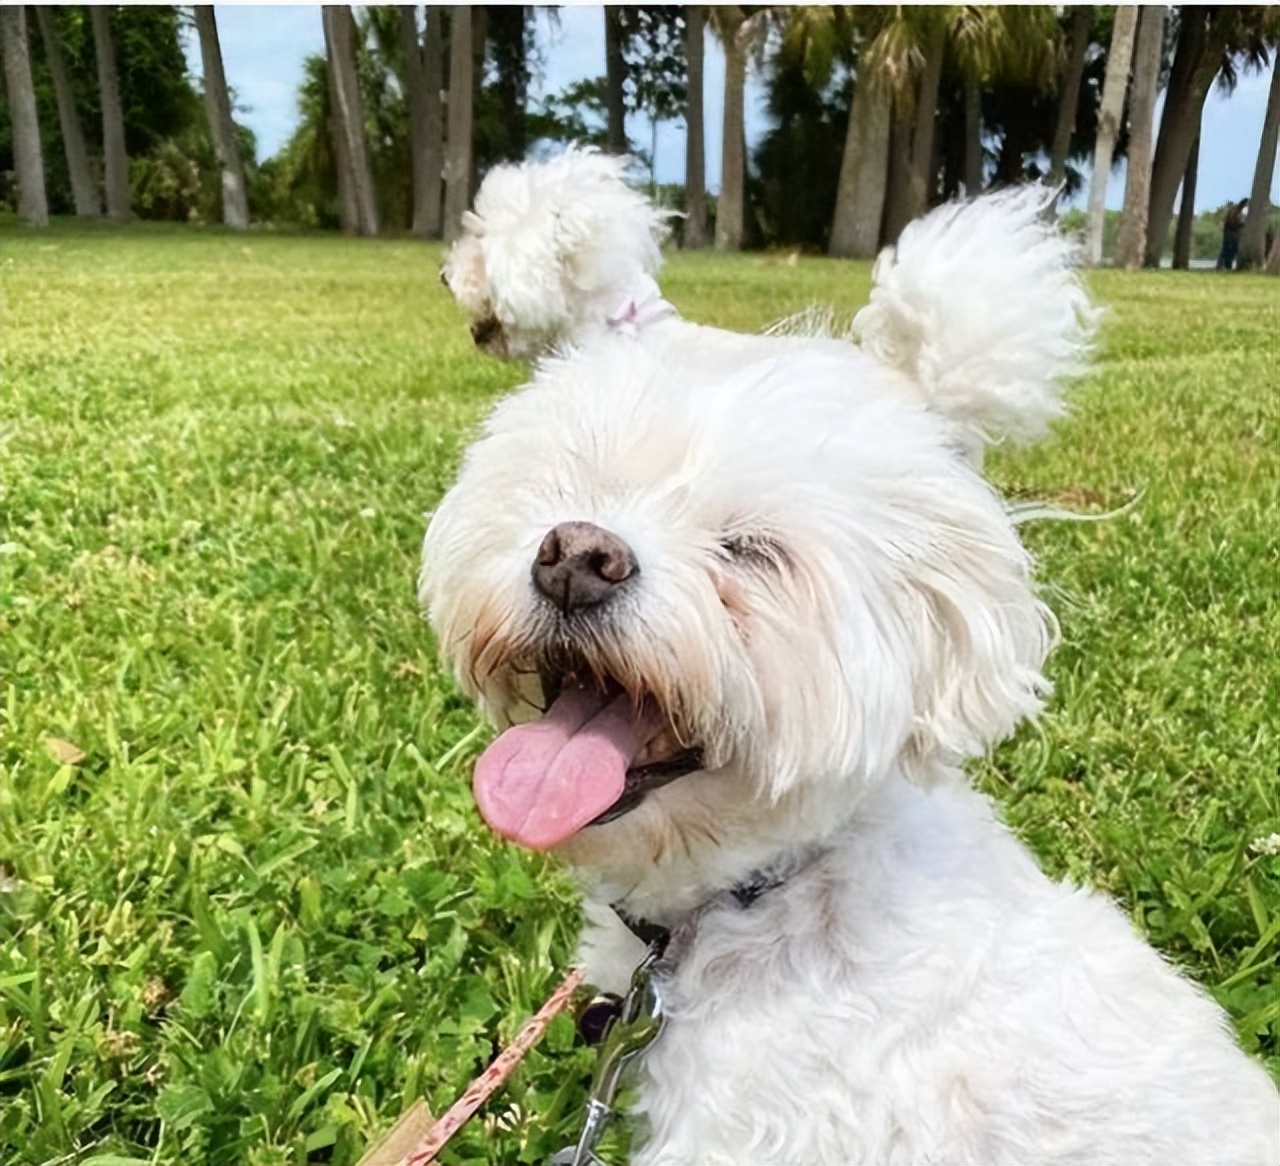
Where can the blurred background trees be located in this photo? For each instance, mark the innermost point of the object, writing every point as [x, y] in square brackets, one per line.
[875, 112]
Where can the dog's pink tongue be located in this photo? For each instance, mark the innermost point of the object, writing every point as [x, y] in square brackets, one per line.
[540, 783]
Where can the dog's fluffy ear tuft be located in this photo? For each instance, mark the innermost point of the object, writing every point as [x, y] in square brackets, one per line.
[981, 305]
[608, 237]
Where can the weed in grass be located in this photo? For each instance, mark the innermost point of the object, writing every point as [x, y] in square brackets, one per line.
[249, 913]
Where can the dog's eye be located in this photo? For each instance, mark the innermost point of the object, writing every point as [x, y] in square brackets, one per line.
[755, 550]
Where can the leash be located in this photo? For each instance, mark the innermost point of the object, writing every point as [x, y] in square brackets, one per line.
[620, 1028]
[484, 1086]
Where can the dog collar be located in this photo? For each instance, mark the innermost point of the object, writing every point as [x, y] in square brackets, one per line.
[657, 938]
[640, 309]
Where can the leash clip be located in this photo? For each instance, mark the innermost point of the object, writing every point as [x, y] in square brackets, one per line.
[638, 1024]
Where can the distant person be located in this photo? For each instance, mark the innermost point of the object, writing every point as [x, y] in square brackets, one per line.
[1232, 223]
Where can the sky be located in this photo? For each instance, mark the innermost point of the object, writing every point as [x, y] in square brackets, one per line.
[263, 48]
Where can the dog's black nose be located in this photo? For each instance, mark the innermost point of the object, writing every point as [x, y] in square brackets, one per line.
[580, 564]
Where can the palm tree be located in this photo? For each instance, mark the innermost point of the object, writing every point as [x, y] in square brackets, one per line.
[695, 182]
[1147, 54]
[988, 44]
[115, 156]
[458, 152]
[1074, 50]
[732, 26]
[1185, 231]
[890, 168]
[813, 37]
[1113, 90]
[424, 68]
[355, 178]
[84, 191]
[860, 189]
[27, 157]
[1207, 37]
[909, 51]
[615, 65]
[235, 200]
[1253, 236]
[904, 56]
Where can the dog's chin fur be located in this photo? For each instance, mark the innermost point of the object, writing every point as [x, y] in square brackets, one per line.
[833, 606]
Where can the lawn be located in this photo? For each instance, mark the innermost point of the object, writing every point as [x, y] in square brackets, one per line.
[249, 913]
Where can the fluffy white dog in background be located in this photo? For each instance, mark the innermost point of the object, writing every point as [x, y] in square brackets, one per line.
[746, 603]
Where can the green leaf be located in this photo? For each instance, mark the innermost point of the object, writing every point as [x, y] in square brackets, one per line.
[199, 994]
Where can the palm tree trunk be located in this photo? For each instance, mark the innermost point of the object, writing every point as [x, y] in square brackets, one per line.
[1147, 54]
[426, 140]
[695, 178]
[433, 143]
[615, 78]
[1195, 63]
[115, 157]
[235, 200]
[348, 210]
[506, 29]
[479, 40]
[1186, 213]
[897, 193]
[28, 159]
[348, 107]
[972, 137]
[84, 191]
[923, 174]
[1114, 86]
[1253, 237]
[864, 173]
[731, 208]
[1069, 96]
[457, 167]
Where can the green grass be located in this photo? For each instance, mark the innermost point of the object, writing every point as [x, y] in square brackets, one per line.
[259, 916]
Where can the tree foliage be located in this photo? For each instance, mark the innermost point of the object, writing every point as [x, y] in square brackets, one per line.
[173, 168]
[979, 95]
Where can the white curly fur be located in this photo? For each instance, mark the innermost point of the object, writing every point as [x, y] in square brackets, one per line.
[979, 305]
[553, 249]
[833, 603]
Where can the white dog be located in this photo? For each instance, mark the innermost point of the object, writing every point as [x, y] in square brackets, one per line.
[747, 603]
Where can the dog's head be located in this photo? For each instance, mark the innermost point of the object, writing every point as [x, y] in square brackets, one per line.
[550, 252]
[722, 607]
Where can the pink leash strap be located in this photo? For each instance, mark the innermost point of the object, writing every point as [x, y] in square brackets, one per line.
[484, 1086]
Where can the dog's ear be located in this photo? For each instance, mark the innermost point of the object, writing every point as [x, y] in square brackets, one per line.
[580, 237]
[464, 275]
[610, 236]
[983, 639]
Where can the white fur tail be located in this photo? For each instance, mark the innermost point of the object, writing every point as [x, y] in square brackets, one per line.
[980, 304]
